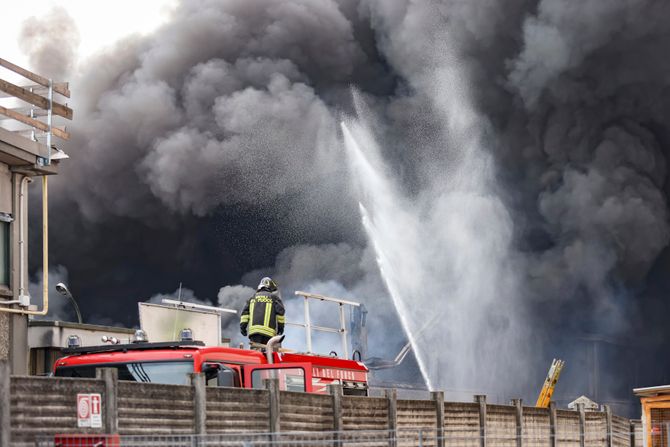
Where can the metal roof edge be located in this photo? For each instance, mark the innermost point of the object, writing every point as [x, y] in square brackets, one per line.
[651, 390]
[82, 326]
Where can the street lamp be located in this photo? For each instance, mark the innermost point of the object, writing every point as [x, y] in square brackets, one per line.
[63, 290]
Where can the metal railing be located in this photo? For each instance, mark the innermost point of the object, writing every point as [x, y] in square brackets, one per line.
[30, 102]
[309, 327]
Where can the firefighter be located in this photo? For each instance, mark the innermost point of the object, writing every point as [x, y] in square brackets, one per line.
[263, 315]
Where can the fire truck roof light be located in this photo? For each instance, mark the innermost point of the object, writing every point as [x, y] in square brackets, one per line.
[140, 336]
[73, 341]
[186, 334]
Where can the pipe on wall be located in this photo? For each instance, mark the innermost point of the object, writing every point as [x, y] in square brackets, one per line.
[45, 255]
[23, 211]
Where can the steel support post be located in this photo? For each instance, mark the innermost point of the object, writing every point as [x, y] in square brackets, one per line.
[343, 331]
[308, 326]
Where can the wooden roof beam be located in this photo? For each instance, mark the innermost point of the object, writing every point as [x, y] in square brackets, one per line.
[61, 88]
[35, 99]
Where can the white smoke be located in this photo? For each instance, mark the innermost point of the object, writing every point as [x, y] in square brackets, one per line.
[51, 42]
[60, 307]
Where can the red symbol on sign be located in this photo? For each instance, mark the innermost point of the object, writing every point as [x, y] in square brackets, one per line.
[95, 404]
[83, 406]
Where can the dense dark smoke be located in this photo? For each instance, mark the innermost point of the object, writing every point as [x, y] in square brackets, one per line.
[209, 153]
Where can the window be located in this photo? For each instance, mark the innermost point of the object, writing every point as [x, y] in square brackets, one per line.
[172, 373]
[290, 379]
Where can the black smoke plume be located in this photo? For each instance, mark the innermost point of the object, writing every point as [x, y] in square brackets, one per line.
[209, 153]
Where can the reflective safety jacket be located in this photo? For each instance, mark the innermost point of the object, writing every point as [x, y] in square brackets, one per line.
[263, 314]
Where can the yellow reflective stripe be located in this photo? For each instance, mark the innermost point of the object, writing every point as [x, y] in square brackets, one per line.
[251, 310]
[268, 311]
[281, 319]
[258, 329]
[244, 319]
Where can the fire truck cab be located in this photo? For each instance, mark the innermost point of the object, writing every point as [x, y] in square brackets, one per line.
[173, 362]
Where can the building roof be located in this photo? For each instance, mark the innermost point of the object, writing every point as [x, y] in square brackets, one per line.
[652, 391]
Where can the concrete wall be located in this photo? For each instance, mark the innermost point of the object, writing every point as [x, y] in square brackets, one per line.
[149, 408]
[305, 412]
[237, 410]
[5, 289]
[4, 336]
[14, 328]
[41, 406]
[44, 406]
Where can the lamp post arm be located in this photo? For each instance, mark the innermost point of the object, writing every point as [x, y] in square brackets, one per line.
[76, 307]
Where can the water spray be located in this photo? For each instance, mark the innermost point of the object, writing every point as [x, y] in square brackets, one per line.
[375, 185]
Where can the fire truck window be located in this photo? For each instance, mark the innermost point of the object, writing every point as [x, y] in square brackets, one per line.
[290, 379]
[172, 373]
[76, 371]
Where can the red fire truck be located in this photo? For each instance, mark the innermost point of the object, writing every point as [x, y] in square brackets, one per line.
[173, 362]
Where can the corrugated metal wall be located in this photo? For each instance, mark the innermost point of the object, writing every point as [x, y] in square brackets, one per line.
[149, 408]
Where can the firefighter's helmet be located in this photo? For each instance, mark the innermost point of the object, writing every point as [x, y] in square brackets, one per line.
[268, 284]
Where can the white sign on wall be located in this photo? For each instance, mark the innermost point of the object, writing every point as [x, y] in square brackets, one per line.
[89, 410]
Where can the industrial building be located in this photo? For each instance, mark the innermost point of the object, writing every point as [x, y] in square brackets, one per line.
[29, 107]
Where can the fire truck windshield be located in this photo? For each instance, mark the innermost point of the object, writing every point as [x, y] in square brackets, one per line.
[173, 373]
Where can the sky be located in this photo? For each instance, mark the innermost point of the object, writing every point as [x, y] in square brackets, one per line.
[99, 23]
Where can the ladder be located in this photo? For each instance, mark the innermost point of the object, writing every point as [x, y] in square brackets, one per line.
[550, 383]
